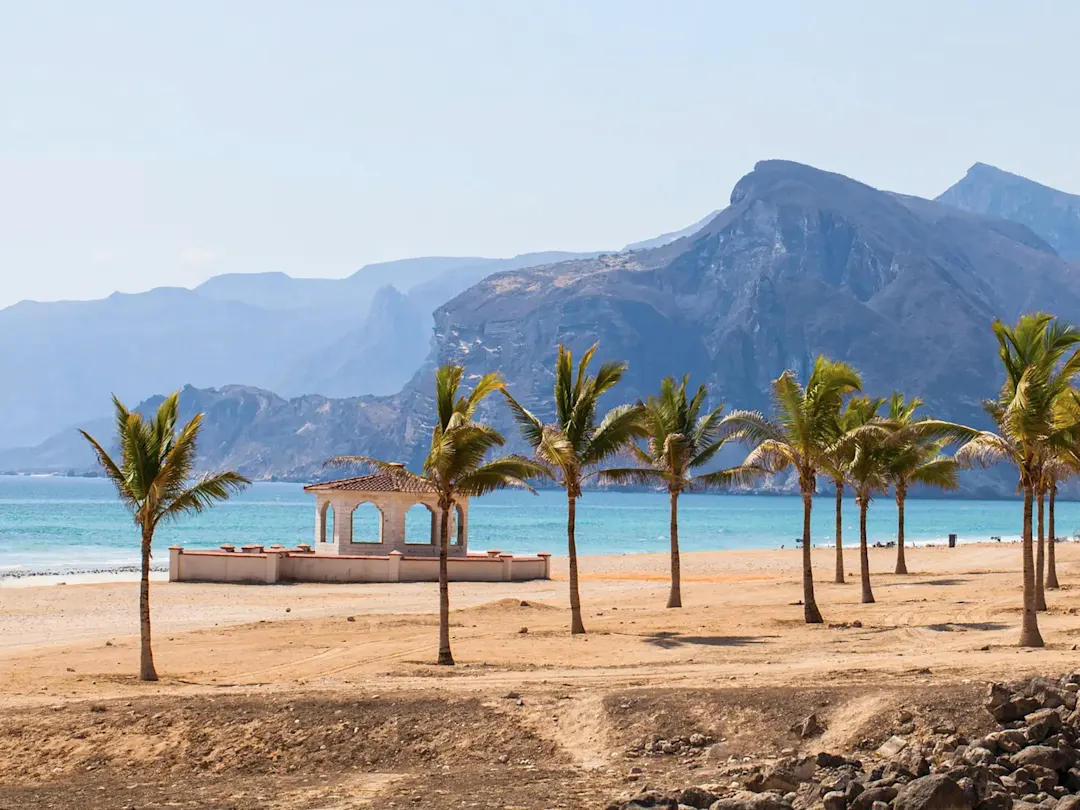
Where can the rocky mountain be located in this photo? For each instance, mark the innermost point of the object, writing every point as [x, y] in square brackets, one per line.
[1054, 215]
[801, 262]
[259, 433]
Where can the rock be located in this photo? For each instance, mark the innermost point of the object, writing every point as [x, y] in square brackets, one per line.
[1005, 707]
[648, 799]
[779, 780]
[1068, 803]
[698, 741]
[880, 806]
[745, 800]
[834, 800]
[1042, 724]
[1010, 740]
[979, 756]
[891, 747]
[935, 792]
[872, 795]
[697, 797]
[999, 800]
[826, 760]
[1041, 755]
[808, 727]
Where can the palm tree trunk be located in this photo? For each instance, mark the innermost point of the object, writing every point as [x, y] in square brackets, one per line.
[675, 597]
[576, 625]
[839, 533]
[445, 656]
[1040, 559]
[147, 672]
[1051, 541]
[864, 554]
[1029, 633]
[901, 562]
[810, 609]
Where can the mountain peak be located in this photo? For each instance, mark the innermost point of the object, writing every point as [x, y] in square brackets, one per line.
[1052, 214]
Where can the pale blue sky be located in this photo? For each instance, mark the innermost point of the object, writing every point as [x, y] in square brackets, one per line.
[146, 143]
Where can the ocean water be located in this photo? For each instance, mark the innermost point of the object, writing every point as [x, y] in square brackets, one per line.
[76, 525]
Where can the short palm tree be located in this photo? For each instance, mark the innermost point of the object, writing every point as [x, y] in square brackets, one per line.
[866, 470]
[1036, 415]
[574, 446]
[681, 439]
[836, 461]
[801, 436]
[916, 445]
[1061, 466]
[154, 481]
[455, 467]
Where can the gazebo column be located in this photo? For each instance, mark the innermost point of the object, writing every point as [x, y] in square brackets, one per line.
[320, 520]
[393, 526]
[342, 521]
[463, 525]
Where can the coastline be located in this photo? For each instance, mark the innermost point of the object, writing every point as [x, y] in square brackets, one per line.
[52, 575]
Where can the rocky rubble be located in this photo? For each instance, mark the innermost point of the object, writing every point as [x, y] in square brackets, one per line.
[1030, 762]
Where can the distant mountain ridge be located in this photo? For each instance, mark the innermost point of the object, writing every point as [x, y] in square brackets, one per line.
[364, 334]
[802, 262]
[1054, 215]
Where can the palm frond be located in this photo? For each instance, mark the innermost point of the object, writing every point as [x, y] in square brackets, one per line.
[531, 428]
[113, 473]
[203, 494]
[741, 476]
[619, 427]
[502, 473]
[641, 476]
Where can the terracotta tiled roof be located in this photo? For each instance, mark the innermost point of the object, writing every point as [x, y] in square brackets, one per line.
[382, 481]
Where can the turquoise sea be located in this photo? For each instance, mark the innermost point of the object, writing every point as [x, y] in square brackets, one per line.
[76, 525]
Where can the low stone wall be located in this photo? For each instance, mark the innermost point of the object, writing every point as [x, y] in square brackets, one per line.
[254, 564]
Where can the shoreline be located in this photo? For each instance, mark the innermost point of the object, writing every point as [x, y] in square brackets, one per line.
[90, 573]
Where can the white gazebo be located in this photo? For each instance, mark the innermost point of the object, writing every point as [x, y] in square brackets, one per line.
[392, 492]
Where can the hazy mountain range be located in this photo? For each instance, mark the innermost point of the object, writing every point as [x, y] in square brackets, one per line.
[365, 334]
[801, 262]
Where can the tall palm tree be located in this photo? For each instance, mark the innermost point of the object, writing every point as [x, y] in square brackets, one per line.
[916, 443]
[801, 436]
[867, 470]
[455, 467]
[575, 446]
[154, 481]
[681, 439]
[1036, 415]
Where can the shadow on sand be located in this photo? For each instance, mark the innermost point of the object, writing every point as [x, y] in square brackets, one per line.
[669, 640]
[949, 627]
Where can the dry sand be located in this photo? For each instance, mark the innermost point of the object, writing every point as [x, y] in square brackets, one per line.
[952, 622]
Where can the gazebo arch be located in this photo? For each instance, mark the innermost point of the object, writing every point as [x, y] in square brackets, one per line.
[393, 492]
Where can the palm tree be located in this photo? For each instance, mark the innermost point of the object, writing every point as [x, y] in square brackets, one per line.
[154, 481]
[801, 437]
[575, 446]
[1036, 414]
[837, 459]
[455, 467]
[1062, 465]
[867, 471]
[916, 444]
[680, 440]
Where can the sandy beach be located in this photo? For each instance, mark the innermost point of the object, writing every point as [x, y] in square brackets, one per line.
[949, 624]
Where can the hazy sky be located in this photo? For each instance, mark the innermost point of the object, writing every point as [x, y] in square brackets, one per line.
[146, 143]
